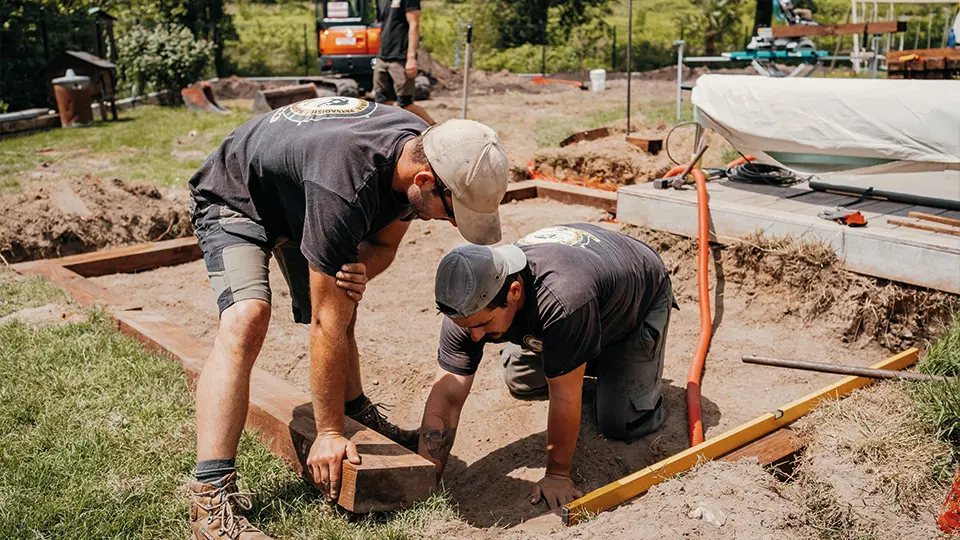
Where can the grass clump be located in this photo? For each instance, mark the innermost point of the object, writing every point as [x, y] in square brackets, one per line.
[939, 402]
[18, 293]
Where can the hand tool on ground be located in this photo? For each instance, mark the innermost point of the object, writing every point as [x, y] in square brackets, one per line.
[842, 369]
[677, 181]
[844, 216]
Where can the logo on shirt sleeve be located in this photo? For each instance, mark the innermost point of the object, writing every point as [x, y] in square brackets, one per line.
[324, 108]
[558, 235]
[533, 343]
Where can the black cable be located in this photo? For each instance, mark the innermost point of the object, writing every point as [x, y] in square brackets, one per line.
[761, 173]
[666, 140]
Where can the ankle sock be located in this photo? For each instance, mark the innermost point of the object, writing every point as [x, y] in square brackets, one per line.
[209, 471]
[354, 406]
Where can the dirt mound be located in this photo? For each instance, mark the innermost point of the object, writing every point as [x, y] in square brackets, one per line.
[611, 161]
[447, 79]
[86, 214]
[870, 469]
[240, 88]
[806, 280]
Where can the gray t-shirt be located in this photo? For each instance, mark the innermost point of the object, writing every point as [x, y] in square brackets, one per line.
[317, 172]
[585, 288]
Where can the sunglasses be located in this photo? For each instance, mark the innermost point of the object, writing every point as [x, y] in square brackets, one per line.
[441, 191]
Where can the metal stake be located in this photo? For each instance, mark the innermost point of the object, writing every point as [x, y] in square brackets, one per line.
[629, 50]
[876, 56]
[466, 70]
[679, 43]
[842, 369]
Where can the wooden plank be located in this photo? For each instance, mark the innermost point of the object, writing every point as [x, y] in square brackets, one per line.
[882, 27]
[589, 135]
[518, 191]
[949, 54]
[772, 449]
[390, 476]
[935, 218]
[135, 258]
[40, 122]
[650, 146]
[568, 194]
[637, 483]
[922, 227]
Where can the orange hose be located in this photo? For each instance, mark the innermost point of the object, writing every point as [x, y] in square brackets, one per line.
[694, 418]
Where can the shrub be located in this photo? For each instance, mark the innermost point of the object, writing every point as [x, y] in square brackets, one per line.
[165, 59]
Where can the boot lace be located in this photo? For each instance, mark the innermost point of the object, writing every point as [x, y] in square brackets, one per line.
[375, 413]
[232, 522]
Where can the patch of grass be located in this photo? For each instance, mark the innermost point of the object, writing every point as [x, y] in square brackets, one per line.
[939, 402]
[18, 293]
[96, 441]
[162, 145]
[550, 131]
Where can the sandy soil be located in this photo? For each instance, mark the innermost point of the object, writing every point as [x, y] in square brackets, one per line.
[499, 450]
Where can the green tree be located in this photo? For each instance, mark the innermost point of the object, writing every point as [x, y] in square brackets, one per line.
[165, 58]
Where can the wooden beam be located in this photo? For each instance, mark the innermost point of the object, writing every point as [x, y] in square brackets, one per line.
[629, 487]
[922, 227]
[569, 194]
[937, 219]
[650, 146]
[771, 449]
[135, 258]
[949, 54]
[882, 27]
[518, 191]
[589, 135]
[390, 476]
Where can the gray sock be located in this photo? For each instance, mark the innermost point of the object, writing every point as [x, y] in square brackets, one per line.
[210, 471]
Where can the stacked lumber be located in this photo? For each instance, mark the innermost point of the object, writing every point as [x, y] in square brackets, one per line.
[924, 64]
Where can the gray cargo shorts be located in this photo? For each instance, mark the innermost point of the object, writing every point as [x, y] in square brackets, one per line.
[628, 401]
[390, 83]
[237, 250]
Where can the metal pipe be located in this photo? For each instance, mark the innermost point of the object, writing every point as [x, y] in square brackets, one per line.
[466, 70]
[679, 44]
[629, 51]
[892, 196]
[842, 369]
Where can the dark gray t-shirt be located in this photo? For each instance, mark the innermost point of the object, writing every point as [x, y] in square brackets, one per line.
[394, 36]
[317, 172]
[586, 288]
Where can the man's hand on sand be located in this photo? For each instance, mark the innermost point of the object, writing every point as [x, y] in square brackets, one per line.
[326, 459]
[556, 489]
[352, 278]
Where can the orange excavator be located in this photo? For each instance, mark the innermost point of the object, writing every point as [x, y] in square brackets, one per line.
[348, 40]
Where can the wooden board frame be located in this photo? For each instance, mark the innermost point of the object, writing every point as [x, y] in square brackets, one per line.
[390, 477]
[639, 482]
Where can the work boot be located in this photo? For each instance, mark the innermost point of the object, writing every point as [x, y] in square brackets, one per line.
[371, 417]
[215, 512]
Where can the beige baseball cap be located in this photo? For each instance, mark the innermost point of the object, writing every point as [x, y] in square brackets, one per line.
[469, 159]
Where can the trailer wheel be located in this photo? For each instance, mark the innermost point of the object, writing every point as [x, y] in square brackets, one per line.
[421, 88]
[348, 88]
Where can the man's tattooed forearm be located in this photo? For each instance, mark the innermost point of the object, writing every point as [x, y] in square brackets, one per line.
[438, 443]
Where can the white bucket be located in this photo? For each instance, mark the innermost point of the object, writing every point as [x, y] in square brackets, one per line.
[598, 80]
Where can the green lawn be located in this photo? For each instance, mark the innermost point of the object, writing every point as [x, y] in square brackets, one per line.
[163, 145]
[96, 441]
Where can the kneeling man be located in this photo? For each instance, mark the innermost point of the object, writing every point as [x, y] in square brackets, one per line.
[573, 300]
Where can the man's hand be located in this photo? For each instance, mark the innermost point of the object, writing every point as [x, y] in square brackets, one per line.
[326, 459]
[411, 68]
[352, 278]
[556, 489]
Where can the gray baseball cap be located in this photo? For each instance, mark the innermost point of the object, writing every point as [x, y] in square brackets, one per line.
[470, 276]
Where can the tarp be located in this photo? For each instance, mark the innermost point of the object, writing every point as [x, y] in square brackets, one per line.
[826, 125]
